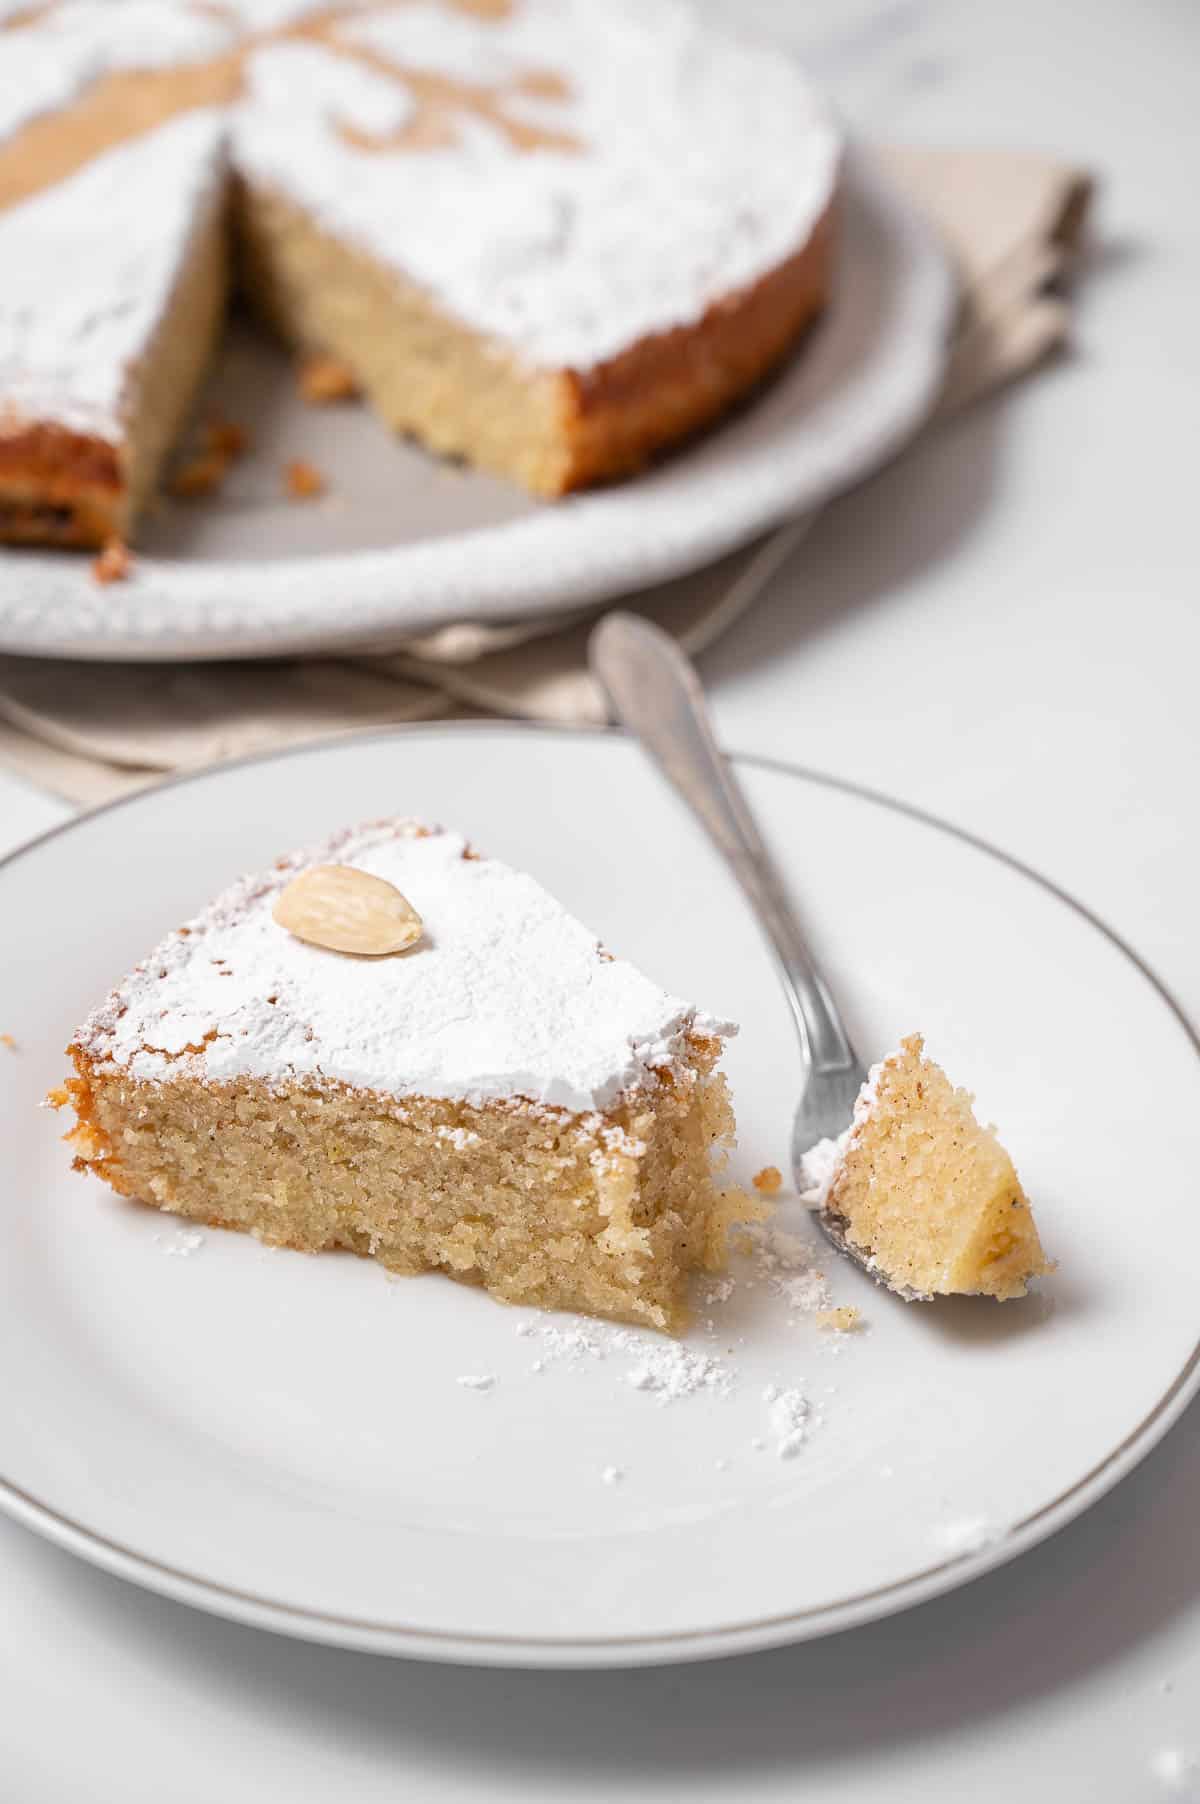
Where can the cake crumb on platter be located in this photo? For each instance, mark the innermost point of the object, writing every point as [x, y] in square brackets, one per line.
[324, 379]
[226, 438]
[223, 442]
[769, 1180]
[114, 564]
[843, 1320]
[201, 475]
[302, 480]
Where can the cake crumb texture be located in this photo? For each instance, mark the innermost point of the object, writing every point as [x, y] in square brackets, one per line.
[926, 1194]
[608, 1215]
[844, 1320]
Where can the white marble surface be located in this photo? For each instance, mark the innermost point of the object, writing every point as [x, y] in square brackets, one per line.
[1003, 629]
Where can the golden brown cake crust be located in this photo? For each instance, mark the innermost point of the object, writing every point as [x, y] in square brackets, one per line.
[552, 431]
[58, 487]
[665, 388]
[61, 487]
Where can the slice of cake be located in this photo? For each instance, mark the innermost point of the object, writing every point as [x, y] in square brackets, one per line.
[490, 1094]
[112, 287]
[923, 1193]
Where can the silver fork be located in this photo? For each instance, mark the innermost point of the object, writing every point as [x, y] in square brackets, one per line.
[657, 695]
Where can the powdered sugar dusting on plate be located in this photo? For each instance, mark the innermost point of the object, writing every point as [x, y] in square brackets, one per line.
[672, 1370]
[965, 1534]
[785, 1263]
[769, 1258]
[181, 1243]
[1173, 1768]
[667, 1370]
[789, 1413]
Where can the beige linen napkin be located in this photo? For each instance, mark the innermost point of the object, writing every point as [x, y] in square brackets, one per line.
[90, 732]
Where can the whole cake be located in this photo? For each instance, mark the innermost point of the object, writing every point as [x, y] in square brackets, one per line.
[548, 236]
[922, 1192]
[389, 1044]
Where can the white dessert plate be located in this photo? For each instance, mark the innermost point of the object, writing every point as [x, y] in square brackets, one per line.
[287, 1440]
[403, 542]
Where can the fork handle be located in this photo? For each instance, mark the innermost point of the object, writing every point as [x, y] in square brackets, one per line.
[657, 694]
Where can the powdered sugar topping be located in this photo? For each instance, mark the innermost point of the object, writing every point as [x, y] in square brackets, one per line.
[821, 1162]
[77, 41]
[629, 219]
[507, 996]
[67, 346]
[820, 1165]
[541, 207]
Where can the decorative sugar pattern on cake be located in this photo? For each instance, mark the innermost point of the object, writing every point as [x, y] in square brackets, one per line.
[506, 996]
[638, 220]
[269, 15]
[78, 301]
[65, 47]
[549, 237]
[581, 219]
[304, 79]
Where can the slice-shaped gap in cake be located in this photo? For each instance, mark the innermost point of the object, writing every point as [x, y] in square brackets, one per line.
[922, 1192]
[496, 1098]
